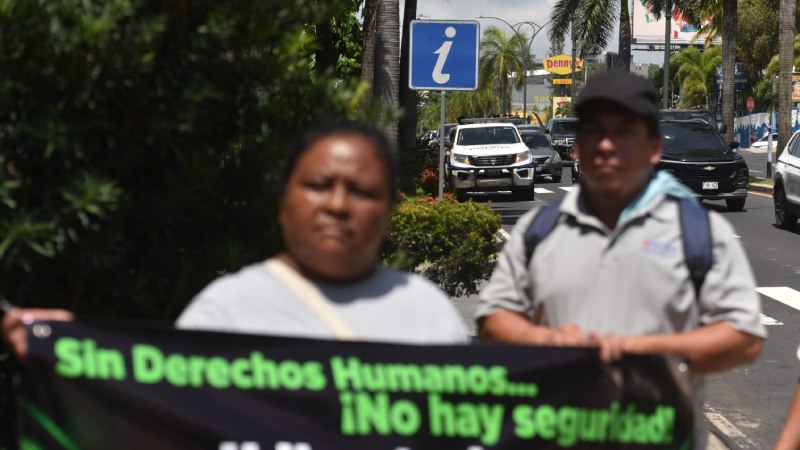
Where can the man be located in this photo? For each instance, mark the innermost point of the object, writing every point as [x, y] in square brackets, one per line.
[612, 272]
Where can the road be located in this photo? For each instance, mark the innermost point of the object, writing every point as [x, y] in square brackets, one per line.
[745, 407]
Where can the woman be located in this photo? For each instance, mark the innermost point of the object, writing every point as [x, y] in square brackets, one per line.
[337, 195]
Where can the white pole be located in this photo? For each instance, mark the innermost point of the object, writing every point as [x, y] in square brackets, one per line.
[769, 139]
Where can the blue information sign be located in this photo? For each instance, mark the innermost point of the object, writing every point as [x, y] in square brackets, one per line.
[444, 55]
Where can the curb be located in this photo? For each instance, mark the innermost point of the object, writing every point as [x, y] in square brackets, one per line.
[759, 187]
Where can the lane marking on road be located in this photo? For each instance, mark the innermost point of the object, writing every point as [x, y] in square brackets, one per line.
[767, 320]
[542, 191]
[783, 294]
[567, 188]
[726, 427]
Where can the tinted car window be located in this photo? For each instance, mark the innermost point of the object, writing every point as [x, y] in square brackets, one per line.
[536, 140]
[483, 136]
[565, 127]
[682, 139]
[794, 146]
[688, 115]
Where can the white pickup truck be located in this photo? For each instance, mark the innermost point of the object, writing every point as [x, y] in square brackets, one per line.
[490, 157]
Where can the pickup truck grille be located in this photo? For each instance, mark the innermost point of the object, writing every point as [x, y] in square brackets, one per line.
[494, 161]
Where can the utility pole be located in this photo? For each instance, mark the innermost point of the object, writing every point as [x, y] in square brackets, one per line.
[667, 33]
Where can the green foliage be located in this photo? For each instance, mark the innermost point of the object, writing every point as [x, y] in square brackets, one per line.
[696, 73]
[500, 56]
[140, 141]
[453, 244]
[763, 89]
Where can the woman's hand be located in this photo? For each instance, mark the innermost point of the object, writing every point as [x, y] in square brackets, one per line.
[15, 319]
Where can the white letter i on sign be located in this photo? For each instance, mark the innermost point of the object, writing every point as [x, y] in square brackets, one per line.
[443, 51]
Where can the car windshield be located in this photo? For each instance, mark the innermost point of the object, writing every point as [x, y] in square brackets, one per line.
[487, 135]
[687, 137]
[535, 140]
[688, 115]
[570, 126]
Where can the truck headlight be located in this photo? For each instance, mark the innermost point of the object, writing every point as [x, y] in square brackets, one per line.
[522, 157]
[461, 159]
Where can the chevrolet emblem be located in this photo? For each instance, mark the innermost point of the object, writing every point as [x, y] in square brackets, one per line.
[709, 168]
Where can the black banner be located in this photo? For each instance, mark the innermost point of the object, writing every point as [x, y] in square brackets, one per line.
[93, 386]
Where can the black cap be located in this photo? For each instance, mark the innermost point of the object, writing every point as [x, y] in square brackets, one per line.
[632, 92]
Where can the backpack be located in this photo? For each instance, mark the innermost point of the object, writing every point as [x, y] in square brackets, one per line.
[695, 229]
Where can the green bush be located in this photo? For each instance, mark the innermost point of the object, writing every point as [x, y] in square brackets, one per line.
[452, 244]
[140, 141]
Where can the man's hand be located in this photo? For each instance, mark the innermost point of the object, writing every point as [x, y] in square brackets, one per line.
[14, 321]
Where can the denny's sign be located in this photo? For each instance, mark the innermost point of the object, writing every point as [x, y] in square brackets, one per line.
[562, 64]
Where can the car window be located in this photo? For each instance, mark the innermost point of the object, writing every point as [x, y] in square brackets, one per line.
[570, 126]
[489, 135]
[688, 115]
[794, 146]
[536, 140]
[680, 139]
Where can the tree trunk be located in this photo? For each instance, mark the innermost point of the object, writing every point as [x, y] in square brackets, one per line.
[408, 97]
[786, 30]
[624, 60]
[387, 63]
[368, 55]
[729, 17]
[327, 55]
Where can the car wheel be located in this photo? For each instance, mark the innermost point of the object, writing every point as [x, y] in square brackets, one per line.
[735, 204]
[557, 177]
[522, 194]
[461, 195]
[783, 218]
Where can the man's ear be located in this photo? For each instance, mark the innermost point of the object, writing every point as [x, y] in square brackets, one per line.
[655, 152]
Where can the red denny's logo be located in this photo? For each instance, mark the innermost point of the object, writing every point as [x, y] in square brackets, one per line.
[562, 64]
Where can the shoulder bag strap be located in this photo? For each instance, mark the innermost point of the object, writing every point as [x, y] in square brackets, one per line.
[312, 297]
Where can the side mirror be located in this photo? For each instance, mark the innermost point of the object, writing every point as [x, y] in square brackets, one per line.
[733, 145]
[722, 128]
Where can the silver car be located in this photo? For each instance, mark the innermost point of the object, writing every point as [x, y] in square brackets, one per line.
[786, 191]
[548, 161]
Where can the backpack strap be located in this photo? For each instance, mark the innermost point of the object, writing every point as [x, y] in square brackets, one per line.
[541, 226]
[696, 232]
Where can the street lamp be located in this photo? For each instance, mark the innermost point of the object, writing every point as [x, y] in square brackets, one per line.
[526, 50]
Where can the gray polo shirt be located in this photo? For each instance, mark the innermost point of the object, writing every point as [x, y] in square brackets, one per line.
[629, 280]
[387, 306]
[632, 280]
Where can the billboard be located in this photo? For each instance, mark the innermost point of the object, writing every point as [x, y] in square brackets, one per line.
[648, 30]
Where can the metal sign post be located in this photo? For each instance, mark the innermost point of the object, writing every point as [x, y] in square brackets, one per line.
[443, 56]
[441, 149]
[769, 139]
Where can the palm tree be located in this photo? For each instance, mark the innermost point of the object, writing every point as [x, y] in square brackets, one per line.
[381, 60]
[696, 72]
[592, 23]
[697, 11]
[499, 58]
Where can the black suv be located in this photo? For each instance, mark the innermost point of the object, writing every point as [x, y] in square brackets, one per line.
[696, 155]
[562, 135]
